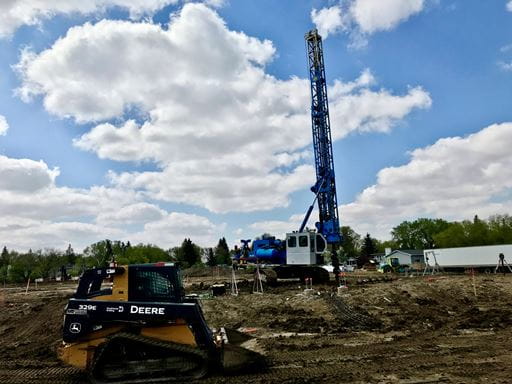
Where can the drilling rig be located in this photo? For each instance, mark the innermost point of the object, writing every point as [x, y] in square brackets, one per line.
[300, 255]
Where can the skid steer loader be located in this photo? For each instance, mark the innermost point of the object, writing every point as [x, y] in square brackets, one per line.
[134, 324]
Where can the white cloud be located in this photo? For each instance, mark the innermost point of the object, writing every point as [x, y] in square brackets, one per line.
[455, 178]
[136, 213]
[21, 235]
[37, 214]
[509, 6]
[280, 228]
[15, 13]
[361, 18]
[372, 16]
[4, 126]
[225, 135]
[172, 228]
[505, 66]
[366, 110]
[25, 175]
[506, 48]
[327, 20]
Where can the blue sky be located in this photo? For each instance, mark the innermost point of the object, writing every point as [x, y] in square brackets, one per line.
[151, 124]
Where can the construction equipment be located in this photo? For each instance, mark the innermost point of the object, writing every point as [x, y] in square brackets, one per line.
[301, 253]
[134, 324]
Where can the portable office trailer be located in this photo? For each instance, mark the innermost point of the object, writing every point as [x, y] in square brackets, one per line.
[483, 258]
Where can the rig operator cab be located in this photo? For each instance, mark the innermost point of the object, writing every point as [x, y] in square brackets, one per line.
[305, 248]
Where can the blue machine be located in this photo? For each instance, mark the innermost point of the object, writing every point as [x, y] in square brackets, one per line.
[273, 251]
[268, 250]
[325, 187]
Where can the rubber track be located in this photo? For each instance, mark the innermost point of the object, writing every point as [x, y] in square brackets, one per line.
[160, 344]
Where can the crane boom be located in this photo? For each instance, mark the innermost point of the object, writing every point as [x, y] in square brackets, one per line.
[325, 187]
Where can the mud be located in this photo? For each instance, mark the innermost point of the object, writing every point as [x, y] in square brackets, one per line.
[409, 330]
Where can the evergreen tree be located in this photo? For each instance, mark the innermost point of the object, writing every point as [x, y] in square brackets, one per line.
[368, 248]
[188, 254]
[5, 257]
[109, 253]
[222, 255]
[5, 260]
[70, 255]
[211, 261]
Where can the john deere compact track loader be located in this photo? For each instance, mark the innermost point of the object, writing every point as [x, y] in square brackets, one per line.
[140, 328]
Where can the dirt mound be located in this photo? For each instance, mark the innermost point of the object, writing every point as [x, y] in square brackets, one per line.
[30, 325]
[449, 329]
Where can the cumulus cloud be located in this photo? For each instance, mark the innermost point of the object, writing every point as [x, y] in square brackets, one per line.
[224, 134]
[37, 213]
[455, 178]
[372, 16]
[22, 235]
[509, 6]
[173, 227]
[280, 228]
[505, 66]
[327, 20]
[15, 13]
[25, 175]
[4, 126]
[361, 18]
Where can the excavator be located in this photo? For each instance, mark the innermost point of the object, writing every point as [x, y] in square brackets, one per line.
[134, 324]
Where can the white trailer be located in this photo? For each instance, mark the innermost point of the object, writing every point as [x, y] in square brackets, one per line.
[483, 258]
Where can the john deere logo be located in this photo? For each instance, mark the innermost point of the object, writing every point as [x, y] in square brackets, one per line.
[75, 327]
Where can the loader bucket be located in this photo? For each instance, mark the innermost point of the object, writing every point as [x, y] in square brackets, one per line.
[240, 360]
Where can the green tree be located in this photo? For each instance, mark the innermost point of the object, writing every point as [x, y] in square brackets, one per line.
[188, 254]
[5, 258]
[97, 255]
[418, 234]
[79, 267]
[351, 245]
[368, 248]
[210, 258]
[500, 229]
[70, 255]
[143, 253]
[222, 255]
[479, 232]
[49, 263]
[454, 236]
[22, 267]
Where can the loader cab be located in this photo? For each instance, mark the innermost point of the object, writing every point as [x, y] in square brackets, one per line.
[157, 282]
[304, 248]
[154, 283]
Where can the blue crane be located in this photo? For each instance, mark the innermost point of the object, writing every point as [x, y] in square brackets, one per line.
[300, 254]
[325, 187]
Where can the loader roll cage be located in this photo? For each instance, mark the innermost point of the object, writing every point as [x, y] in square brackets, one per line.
[147, 283]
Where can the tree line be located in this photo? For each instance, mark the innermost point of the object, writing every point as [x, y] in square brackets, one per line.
[17, 267]
[422, 233]
[426, 233]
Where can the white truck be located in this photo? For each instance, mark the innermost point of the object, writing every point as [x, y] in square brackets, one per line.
[482, 258]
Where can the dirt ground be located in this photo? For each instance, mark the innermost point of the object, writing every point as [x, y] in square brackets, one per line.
[405, 330]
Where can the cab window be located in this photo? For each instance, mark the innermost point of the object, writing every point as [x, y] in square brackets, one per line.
[152, 284]
[292, 242]
[303, 241]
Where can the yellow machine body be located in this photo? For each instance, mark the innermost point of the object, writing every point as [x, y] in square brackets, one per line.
[80, 354]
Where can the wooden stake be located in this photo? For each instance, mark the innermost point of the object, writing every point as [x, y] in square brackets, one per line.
[473, 278]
